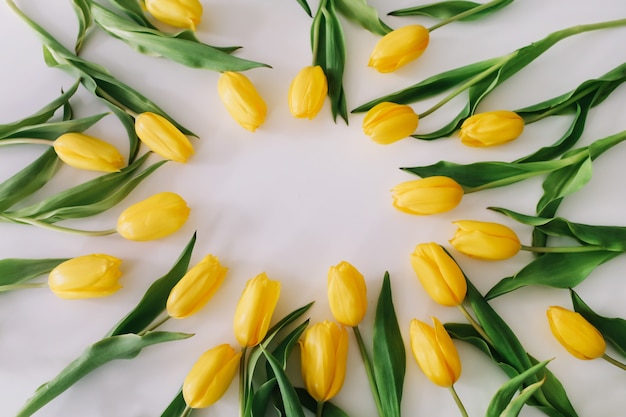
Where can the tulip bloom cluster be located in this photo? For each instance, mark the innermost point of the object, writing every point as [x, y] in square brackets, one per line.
[178, 13]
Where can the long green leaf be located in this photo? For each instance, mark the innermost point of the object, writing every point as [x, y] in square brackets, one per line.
[449, 9]
[176, 407]
[17, 270]
[305, 6]
[82, 10]
[125, 346]
[133, 10]
[287, 390]
[52, 130]
[500, 402]
[515, 406]
[363, 14]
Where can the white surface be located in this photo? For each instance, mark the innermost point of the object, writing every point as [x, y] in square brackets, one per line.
[299, 196]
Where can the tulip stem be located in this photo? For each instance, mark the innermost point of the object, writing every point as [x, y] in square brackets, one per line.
[6, 142]
[51, 226]
[465, 14]
[458, 401]
[11, 287]
[112, 100]
[562, 249]
[243, 383]
[614, 361]
[559, 107]
[475, 324]
[319, 408]
[153, 326]
[369, 370]
[186, 412]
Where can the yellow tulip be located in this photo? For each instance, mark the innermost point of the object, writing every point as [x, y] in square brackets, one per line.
[196, 288]
[162, 137]
[86, 152]
[347, 294]
[153, 218]
[439, 274]
[86, 276]
[435, 352]
[210, 376]
[575, 333]
[387, 122]
[399, 47]
[254, 310]
[242, 100]
[485, 240]
[178, 13]
[307, 92]
[491, 128]
[431, 195]
[324, 355]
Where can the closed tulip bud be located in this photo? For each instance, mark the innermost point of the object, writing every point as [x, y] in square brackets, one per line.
[178, 13]
[439, 274]
[162, 137]
[242, 100]
[431, 195]
[399, 47]
[575, 333]
[435, 352]
[210, 376]
[387, 122]
[491, 128]
[86, 276]
[324, 355]
[347, 294]
[307, 92]
[485, 240]
[153, 218]
[86, 152]
[255, 309]
[196, 288]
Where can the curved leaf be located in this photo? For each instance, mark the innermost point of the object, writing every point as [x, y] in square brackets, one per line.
[449, 9]
[17, 270]
[288, 393]
[177, 407]
[363, 14]
[501, 404]
[52, 130]
[83, 14]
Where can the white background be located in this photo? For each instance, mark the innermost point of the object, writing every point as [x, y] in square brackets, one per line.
[298, 196]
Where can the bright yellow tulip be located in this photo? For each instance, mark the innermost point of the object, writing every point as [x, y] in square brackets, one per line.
[347, 294]
[178, 13]
[324, 355]
[255, 309]
[439, 274]
[86, 276]
[210, 376]
[575, 333]
[435, 352]
[86, 152]
[387, 122]
[307, 92]
[196, 288]
[399, 47]
[485, 240]
[491, 128]
[153, 218]
[242, 100]
[162, 137]
[431, 195]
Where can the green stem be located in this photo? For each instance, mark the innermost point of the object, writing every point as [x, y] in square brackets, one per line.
[186, 412]
[6, 142]
[315, 30]
[369, 369]
[51, 226]
[558, 107]
[475, 324]
[11, 287]
[319, 408]
[243, 383]
[154, 325]
[614, 361]
[458, 401]
[562, 249]
[464, 14]
[100, 92]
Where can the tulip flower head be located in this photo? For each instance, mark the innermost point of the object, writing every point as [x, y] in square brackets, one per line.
[324, 355]
[178, 13]
[485, 240]
[86, 152]
[162, 137]
[347, 294]
[86, 276]
[575, 333]
[399, 47]
[255, 309]
[307, 92]
[439, 274]
[431, 195]
[196, 288]
[435, 352]
[153, 218]
[387, 122]
[210, 376]
[491, 128]
[242, 100]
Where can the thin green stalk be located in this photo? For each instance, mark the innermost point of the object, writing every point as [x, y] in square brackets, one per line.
[614, 361]
[56, 228]
[369, 370]
[243, 382]
[154, 325]
[556, 109]
[187, 411]
[315, 30]
[475, 324]
[31, 141]
[458, 401]
[562, 249]
[11, 287]
[464, 14]
[319, 408]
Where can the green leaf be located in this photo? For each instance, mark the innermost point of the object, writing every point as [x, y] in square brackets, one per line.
[501, 404]
[133, 10]
[52, 130]
[30, 179]
[613, 329]
[152, 304]
[305, 6]
[561, 183]
[449, 9]
[515, 406]
[17, 270]
[329, 409]
[176, 407]
[557, 270]
[125, 346]
[262, 396]
[83, 14]
[389, 356]
[287, 391]
[363, 14]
